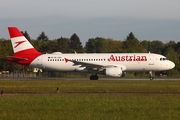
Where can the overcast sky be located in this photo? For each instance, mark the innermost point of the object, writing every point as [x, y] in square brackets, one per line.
[147, 19]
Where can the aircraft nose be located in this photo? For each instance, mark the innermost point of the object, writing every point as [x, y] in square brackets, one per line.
[171, 65]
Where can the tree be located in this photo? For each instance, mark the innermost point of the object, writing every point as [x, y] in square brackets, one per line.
[63, 44]
[156, 46]
[102, 45]
[75, 43]
[97, 45]
[42, 37]
[171, 43]
[177, 48]
[145, 45]
[114, 46]
[132, 44]
[91, 46]
[50, 46]
[26, 35]
[45, 47]
[171, 54]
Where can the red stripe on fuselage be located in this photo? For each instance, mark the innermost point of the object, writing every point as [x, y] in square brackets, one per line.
[30, 54]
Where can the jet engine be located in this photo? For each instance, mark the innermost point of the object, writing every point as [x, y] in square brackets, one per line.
[113, 71]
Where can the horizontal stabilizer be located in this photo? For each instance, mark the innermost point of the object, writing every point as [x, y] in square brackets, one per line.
[13, 58]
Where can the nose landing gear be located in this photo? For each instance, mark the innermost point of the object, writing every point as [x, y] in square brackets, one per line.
[151, 75]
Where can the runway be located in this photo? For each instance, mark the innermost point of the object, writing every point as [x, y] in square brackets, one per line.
[56, 78]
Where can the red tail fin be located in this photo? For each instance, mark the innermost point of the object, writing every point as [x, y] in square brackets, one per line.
[23, 50]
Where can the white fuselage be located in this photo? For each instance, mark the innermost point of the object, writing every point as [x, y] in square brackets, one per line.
[111, 64]
[127, 61]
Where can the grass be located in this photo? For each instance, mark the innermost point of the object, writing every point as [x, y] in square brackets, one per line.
[89, 100]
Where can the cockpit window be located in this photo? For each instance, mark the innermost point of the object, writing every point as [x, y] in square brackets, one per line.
[162, 59]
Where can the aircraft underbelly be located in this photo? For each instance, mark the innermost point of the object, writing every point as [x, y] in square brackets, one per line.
[140, 67]
[60, 67]
[134, 66]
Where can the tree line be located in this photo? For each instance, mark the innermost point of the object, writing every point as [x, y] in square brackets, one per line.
[73, 44]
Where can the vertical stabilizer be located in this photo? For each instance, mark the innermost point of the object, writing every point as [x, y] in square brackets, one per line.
[24, 52]
[19, 42]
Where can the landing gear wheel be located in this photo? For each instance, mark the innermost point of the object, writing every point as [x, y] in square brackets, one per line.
[94, 77]
[151, 75]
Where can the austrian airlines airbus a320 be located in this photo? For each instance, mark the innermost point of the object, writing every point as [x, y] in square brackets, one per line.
[111, 64]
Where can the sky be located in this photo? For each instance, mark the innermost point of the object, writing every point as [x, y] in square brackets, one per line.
[115, 19]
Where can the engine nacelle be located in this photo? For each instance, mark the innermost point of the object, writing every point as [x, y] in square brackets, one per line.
[113, 71]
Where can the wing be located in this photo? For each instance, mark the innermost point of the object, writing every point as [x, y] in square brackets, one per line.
[89, 66]
[95, 66]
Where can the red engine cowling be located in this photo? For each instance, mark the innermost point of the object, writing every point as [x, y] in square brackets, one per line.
[113, 71]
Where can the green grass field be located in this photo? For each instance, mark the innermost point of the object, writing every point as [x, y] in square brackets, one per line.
[89, 100]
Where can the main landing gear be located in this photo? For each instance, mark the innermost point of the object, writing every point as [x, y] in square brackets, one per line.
[94, 77]
[151, 75]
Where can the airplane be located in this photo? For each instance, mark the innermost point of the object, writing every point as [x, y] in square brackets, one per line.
[110, 64]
